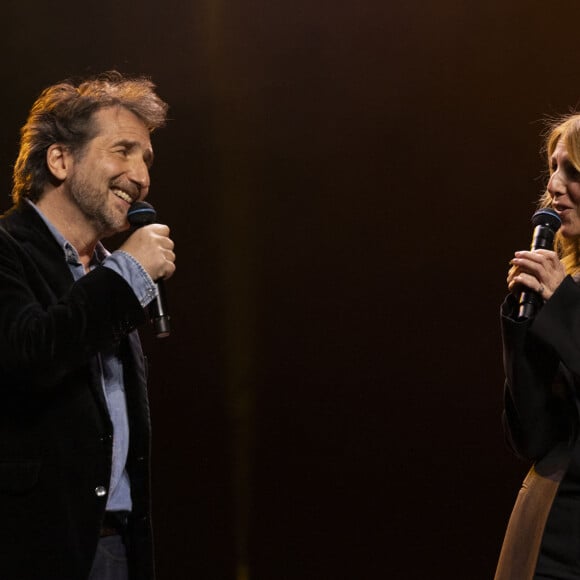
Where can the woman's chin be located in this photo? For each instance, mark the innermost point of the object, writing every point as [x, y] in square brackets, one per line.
[569, 231]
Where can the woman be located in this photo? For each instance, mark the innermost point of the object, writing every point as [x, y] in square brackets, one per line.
[542, 367]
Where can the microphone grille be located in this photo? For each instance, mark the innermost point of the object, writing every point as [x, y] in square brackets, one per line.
[141, 213]
[547, 217]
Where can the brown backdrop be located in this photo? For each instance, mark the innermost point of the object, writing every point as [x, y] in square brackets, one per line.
[345, 182]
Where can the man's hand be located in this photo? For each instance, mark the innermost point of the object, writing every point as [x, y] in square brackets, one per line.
[152, 247]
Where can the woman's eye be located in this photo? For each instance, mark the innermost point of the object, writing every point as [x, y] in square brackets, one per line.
[571, 171]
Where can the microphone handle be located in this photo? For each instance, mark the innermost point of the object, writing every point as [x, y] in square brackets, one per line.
[158, 312]
[530, 303]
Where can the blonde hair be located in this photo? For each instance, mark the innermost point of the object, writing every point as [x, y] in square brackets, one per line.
[566, 130]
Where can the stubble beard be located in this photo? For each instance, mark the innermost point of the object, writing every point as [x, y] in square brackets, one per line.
[94, 205]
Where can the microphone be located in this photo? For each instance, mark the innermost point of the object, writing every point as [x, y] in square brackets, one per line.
[546, 223]
[141, 214]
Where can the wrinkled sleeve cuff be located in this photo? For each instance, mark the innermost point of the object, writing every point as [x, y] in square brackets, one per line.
[134, 274]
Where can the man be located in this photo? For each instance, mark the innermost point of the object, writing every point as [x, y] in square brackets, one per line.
[74, 419]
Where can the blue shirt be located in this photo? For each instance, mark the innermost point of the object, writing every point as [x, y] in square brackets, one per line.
[108, 362]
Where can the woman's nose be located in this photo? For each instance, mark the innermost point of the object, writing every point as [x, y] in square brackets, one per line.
[556, 184]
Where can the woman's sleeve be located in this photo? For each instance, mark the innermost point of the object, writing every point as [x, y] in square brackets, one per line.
[539, 404]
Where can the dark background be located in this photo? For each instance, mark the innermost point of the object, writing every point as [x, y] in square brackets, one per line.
[345, 183]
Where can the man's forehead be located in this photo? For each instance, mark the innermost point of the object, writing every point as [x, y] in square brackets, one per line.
[117, 120]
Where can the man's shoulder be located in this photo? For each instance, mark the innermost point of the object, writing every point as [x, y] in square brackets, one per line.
[25, 240]
[19, 217]
[25, 226]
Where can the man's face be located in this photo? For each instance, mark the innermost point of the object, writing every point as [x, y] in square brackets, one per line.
[112, 171]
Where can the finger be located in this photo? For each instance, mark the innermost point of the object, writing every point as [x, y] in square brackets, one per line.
[167, 244]
[511, 276]
[513, 270]
[169, 270]
[535, 256]
[535, 268]
[159, 229]
[527, 280]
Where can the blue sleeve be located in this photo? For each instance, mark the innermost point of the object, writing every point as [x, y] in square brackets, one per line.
[134, 274]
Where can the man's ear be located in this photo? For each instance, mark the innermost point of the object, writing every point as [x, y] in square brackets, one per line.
[58, 160]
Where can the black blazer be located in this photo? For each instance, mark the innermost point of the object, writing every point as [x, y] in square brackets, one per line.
[55, 431]
[541, 419]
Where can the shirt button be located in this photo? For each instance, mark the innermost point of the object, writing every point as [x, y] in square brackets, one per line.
[101, 491]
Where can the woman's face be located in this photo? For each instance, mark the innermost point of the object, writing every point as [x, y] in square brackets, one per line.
[564, 189]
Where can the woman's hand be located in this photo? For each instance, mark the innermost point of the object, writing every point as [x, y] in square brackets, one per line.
[539, 270]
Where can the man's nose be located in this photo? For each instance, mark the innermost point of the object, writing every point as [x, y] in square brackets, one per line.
[139, 174]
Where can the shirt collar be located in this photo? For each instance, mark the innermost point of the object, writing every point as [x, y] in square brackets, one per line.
[70, 253]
